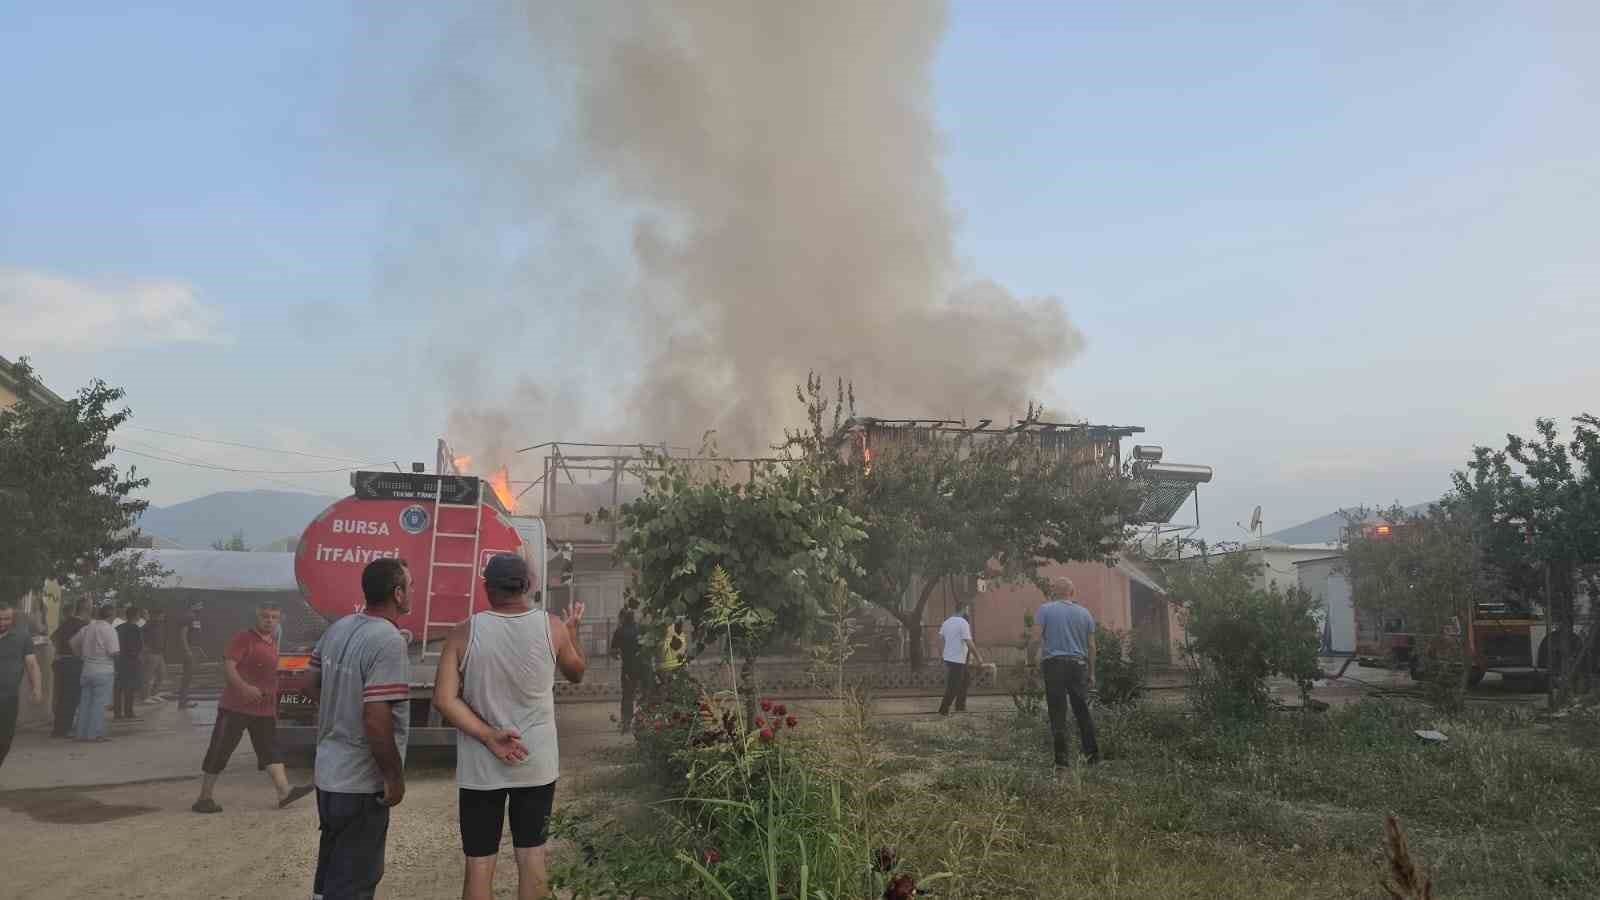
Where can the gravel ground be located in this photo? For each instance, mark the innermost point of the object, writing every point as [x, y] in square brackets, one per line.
[141, 840]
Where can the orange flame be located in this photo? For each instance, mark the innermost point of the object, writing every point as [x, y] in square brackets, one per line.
[461, 463]
[500, 483]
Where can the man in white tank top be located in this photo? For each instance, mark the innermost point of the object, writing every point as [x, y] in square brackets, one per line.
[496, 685]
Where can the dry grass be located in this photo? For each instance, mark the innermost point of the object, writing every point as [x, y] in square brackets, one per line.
[1293, 808]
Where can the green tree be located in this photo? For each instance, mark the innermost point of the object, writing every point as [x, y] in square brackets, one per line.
[235, 542]
[1238, 633]
[1426, 566]
[1535, 512]
[66, 507]
[776, 535]
[1521, 527]
[128, 578]
[944, 506]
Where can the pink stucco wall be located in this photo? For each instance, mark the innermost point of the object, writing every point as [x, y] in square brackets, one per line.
[997, 612]
[1105, 591]
[1101, 589]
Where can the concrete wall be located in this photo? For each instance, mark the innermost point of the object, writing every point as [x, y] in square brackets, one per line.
[1280, 571]
[1322, 579]
[793, 676]
[1279, 561]
[1106, 591]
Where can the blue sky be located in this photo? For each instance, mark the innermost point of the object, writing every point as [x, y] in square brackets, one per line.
[1324, 248]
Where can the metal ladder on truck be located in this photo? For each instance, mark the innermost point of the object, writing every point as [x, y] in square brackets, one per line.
[453, 568]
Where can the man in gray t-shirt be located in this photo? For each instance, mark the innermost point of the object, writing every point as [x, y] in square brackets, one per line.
[362, 659]
[363, 721]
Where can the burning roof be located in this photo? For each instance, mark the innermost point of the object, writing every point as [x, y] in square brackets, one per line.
[1170, 484]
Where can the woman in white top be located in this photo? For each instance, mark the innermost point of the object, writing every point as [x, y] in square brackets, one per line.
[96, 643]
[496, 685]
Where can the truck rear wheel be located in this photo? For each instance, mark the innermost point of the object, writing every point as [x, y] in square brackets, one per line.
[1565, 647]
[1475, 677]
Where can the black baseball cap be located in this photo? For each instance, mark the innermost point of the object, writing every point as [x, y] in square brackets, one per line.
[506, 571]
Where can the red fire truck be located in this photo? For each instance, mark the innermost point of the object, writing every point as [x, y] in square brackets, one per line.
[446, 527]
[1503, 636]
[1512, 641]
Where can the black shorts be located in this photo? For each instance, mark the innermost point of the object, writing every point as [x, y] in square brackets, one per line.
[225, 736]
[483, 815]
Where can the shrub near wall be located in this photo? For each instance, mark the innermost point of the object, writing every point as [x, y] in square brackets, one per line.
[1239, 635]
[1121, 668]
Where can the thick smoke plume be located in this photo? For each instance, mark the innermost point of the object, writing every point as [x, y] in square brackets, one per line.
[778, 168]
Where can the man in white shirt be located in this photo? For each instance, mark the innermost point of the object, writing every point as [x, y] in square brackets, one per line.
[958, 647]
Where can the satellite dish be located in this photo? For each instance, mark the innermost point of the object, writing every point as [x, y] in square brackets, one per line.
[1255, 518]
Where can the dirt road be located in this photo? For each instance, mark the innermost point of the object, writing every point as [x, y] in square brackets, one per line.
[141, 840]
[74, 826]
[113, 820]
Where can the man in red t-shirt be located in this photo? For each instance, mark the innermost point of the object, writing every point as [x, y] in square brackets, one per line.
[249, 703]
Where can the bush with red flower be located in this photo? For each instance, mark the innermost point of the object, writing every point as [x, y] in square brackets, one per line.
[665, 724]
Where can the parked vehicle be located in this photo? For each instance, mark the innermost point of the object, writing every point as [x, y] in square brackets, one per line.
[446, 527]
[1501, 637]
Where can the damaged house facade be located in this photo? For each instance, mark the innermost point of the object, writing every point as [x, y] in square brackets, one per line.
[580, 484]
[1121, 596]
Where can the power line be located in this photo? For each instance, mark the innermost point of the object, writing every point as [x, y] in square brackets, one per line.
[194, 437]
[189, 459]
[220, 468]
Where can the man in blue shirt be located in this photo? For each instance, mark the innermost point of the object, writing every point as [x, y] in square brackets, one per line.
[1066, 657]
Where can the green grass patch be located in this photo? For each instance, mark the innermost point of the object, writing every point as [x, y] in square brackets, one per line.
[1289, 807]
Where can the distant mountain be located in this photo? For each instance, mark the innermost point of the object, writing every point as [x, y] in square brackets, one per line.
[265, 517]
[1326, 530]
